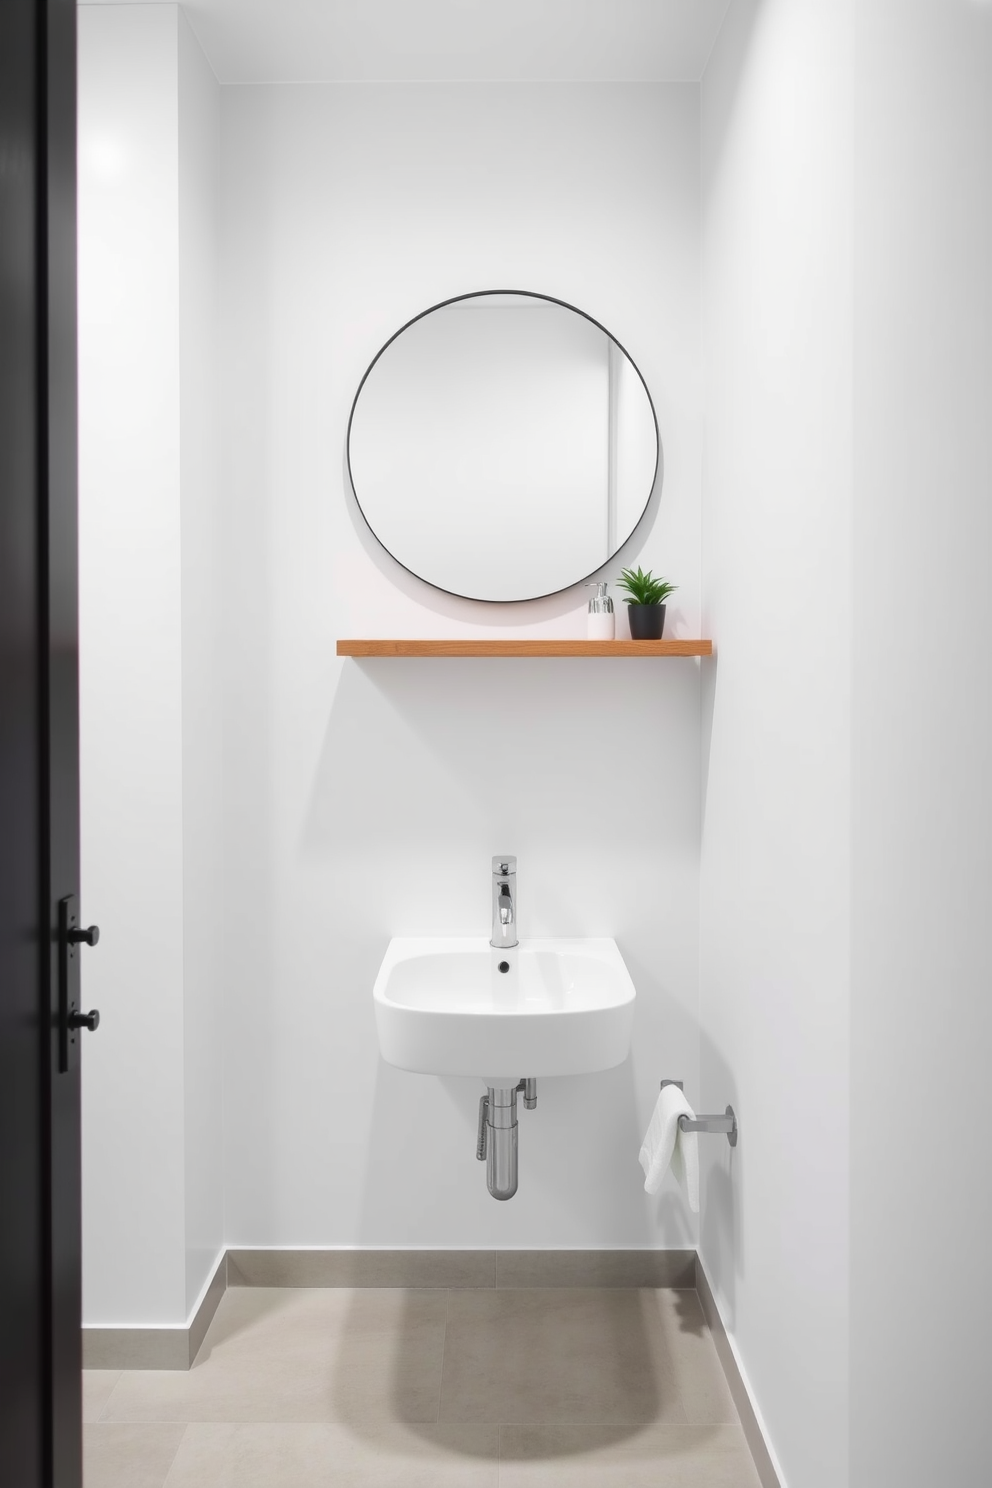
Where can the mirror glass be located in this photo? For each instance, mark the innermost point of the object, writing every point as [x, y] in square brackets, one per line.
[502, 446]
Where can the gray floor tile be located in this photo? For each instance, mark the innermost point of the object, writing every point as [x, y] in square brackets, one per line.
[590, 1387]
[332, 1456]
[97, 1387]
[559, 1355]
[301, 1355]
[129, 1456]
[655, 1456]
[699, 1375]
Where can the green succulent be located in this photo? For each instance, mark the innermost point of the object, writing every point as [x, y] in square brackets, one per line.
[643, 588]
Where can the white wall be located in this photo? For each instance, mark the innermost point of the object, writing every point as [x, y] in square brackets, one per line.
[921, 1213]
[775, 880]
[365, 800]
[202, 537]
[847, 812]
[130, 663]
[152, 1190]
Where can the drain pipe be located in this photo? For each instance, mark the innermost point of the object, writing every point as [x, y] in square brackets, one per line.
[497, 1142]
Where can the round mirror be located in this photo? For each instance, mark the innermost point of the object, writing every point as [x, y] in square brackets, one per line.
[502, 446]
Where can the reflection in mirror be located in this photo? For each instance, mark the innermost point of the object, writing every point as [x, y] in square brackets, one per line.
[502, 446]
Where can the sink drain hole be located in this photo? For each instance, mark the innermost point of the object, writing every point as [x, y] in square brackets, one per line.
[504, 966]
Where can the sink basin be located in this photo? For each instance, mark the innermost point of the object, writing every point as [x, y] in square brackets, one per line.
[562, 1007]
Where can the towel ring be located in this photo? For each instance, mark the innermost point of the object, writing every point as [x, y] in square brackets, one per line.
[725, 1125]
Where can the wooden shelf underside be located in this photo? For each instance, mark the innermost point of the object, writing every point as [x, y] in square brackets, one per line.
[506, 647]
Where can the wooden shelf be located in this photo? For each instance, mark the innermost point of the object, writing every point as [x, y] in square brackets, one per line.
[506, 647]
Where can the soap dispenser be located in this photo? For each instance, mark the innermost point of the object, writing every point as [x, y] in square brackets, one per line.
[601, 622]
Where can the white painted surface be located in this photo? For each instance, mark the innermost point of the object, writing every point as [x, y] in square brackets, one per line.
[203, 763]
[364, 800]
[130, 666]
[149, 129]
[922, 874]
[635, 452]
[252, 41]
[775, 880]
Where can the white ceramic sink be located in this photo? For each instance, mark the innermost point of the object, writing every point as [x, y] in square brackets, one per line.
[443, 1007]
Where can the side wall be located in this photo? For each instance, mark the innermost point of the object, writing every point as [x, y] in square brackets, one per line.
[774, 975]
[921, 1208]
[365, 800]
[202, 539]
[131, 749]
[151, 760]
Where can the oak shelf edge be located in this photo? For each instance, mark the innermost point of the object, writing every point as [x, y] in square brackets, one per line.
[505, 647]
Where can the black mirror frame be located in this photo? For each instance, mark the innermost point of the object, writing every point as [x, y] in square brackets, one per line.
[531, 295]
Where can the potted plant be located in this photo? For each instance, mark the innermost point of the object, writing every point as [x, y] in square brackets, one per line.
[645, 602]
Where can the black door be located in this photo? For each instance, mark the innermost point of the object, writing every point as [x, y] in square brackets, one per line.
[40, 1431]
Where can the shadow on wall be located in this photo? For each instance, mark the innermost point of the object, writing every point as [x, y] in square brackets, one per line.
[247, 605]
[720, 1165]
[425, 1182]
[722, 1169]
[708, 670]
[588, 762]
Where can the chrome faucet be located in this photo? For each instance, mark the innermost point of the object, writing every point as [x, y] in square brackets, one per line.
[504, 903]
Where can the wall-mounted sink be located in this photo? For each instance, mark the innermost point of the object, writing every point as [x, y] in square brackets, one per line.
[560, 1007]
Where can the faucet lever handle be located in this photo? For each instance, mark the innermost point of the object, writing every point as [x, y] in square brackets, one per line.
[504, 893]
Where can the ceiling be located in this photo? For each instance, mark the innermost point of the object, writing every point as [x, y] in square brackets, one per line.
[250, 41]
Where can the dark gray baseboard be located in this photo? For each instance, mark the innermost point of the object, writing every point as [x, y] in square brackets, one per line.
[596, 1268]
[155, 1348]
[753, 1434]
[462, 1268]
[362, 1268]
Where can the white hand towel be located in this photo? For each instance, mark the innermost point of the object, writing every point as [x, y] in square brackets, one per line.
[665, 1145]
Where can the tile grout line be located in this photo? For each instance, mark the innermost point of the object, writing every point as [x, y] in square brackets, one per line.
[106, 1404]
[444, 1344]
[175, 1456]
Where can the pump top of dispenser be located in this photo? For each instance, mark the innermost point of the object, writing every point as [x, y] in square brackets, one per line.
[600, 603]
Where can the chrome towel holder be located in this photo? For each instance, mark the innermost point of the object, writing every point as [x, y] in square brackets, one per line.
[725, 1125]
